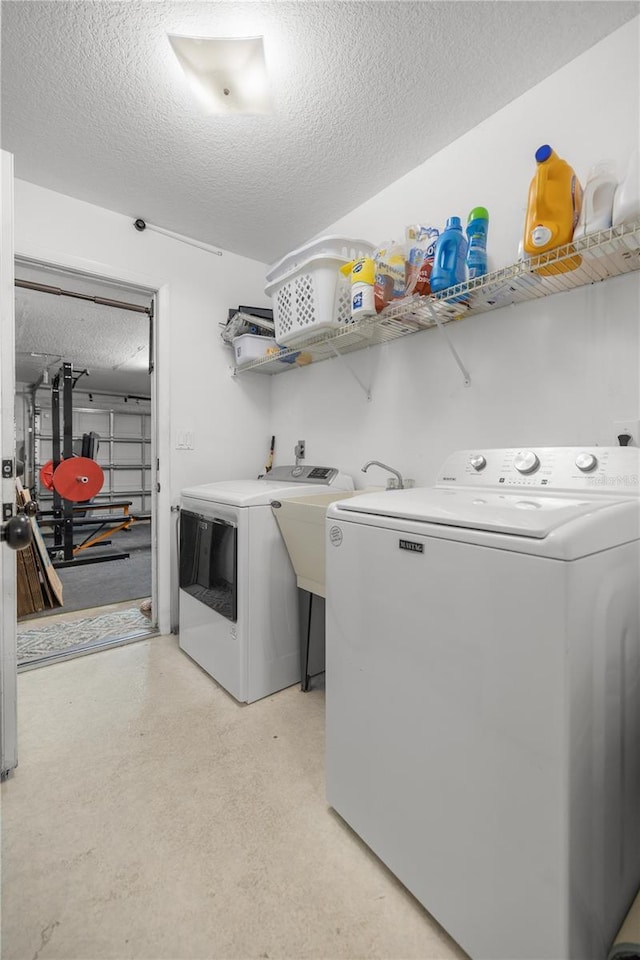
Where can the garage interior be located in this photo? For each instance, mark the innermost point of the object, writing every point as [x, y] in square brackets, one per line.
[83, 383]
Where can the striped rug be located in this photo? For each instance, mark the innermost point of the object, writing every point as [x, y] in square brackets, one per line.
[42, 639]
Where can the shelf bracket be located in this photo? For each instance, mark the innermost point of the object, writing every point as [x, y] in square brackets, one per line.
[367, 390]
[452, 349]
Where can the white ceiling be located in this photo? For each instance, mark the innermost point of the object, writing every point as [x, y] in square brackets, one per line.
[94, 104]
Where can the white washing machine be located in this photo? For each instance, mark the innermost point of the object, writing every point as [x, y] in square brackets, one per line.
[238, 594]
[483, 694]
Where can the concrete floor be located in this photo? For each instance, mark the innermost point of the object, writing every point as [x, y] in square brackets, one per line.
[151, 816]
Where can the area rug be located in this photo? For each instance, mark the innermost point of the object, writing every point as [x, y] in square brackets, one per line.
[47, 639]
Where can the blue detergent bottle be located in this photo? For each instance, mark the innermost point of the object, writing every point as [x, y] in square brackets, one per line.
[477, 229]
[449, 259]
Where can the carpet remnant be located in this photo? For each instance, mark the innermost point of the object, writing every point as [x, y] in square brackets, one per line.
[45, 639]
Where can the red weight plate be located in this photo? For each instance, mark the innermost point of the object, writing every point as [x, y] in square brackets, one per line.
[78, 479]
[46, 475]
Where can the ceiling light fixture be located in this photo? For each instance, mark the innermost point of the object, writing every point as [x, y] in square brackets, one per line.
[227, 74]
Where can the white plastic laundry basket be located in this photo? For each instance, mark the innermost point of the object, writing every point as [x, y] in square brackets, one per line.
[310, 296]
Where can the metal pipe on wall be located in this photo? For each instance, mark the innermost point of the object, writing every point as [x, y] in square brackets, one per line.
[103, 301]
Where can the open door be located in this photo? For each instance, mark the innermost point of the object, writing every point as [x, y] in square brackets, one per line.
[8, 666]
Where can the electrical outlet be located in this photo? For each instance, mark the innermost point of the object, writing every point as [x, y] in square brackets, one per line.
[629, 427]
[299, 450]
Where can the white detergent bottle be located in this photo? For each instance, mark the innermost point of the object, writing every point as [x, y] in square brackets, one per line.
[626, 203]
[597, 199]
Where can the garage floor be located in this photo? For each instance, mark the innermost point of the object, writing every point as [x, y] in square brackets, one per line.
[151, 816]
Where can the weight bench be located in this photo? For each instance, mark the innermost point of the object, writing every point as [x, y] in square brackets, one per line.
[105, 525]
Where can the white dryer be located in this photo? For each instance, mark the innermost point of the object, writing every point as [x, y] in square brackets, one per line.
[238, 594]
[483, 694]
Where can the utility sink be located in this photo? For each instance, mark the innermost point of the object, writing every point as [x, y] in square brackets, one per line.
[301, 522]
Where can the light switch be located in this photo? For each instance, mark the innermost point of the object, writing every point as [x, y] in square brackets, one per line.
[184, 440]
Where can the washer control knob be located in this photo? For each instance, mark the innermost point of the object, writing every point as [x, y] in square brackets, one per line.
[586, 462]
[477, 461]
[526, 461]
[297, 471]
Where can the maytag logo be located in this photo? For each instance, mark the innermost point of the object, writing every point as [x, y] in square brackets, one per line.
[411, 545]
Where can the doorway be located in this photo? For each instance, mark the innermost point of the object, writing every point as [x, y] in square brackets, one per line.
[84, 377]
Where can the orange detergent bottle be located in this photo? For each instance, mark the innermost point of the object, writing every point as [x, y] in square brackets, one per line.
[555, 199]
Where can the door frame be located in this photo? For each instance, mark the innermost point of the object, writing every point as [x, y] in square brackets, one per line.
[160, 407]
[8, 655]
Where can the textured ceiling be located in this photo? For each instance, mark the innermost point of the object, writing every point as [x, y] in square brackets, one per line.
[112, 344]
[94, 104]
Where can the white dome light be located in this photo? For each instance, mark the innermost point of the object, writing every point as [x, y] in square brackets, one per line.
[227, 74]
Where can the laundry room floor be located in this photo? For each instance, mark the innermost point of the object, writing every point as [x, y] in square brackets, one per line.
[151, 816]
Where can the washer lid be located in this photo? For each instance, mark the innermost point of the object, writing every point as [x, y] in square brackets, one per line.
[519, 514]
[250, 493]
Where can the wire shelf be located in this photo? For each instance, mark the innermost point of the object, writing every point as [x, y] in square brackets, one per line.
[597, 257]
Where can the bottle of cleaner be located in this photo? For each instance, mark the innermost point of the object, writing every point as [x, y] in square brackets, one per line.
[555, 201]
[449, 259]
[477, 229]
[597, 200]
[362, 274]
[626, 203]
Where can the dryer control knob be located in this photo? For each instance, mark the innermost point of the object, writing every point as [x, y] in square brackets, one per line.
[477, 461]
[526, 461]
[586, 462]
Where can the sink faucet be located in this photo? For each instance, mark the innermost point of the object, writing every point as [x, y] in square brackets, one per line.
[390, 483]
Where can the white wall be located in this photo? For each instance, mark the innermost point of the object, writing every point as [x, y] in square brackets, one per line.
[557, 371]
[229, 418]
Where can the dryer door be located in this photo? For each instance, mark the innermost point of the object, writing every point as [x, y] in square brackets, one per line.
[209, 562]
